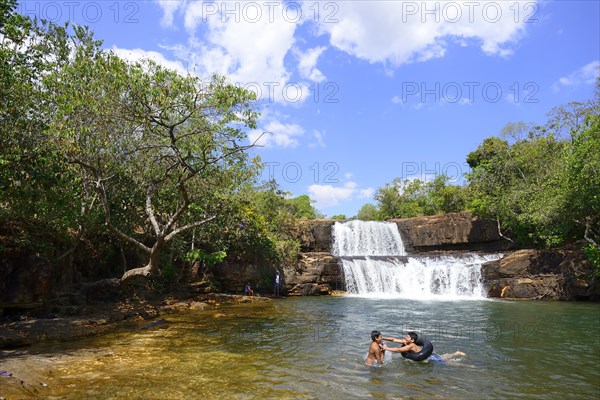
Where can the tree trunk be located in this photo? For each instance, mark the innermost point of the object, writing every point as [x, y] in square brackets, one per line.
[152, 268]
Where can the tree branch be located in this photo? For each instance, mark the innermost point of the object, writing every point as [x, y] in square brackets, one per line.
[108, 222]
[500, 232]
[176, 232]
[181, 210]
[588, 230]
[150, 211]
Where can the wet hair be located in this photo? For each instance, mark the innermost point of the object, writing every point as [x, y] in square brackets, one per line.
[413, 336]
[375, 335]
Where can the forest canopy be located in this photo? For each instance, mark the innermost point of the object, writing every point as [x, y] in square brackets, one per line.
[100, 151]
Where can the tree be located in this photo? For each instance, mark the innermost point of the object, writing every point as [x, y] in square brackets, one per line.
[582, 182]
[413, 198]
[368, 212]
[162, 151]
[302, 207]
[542, 189]
[37, 188]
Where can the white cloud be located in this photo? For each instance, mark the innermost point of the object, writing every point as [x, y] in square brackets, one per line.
[275, 133]
[585, 75]
[137, 55]
[246, 41]
[250, 42]
[319, 140]
[307, 64]
[366, 193]
[399, 32]
[329, 195]
[169, 8]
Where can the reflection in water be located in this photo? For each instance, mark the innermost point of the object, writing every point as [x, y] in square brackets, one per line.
[315, 348]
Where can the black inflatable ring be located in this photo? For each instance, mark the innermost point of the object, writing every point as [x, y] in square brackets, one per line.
[426, 350]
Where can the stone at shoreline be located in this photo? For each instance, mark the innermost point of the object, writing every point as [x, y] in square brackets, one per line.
[106, 318]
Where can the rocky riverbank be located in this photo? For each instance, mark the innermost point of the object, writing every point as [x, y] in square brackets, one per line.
[102, 318]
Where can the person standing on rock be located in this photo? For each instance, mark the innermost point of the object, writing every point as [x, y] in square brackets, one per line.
[276, 286]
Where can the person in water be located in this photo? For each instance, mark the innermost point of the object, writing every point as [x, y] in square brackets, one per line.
[376, 350]
[409, 345]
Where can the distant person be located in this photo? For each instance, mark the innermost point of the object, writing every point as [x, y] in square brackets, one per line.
[276, 285]
[248, 290]
[409, 344]
[376, 350]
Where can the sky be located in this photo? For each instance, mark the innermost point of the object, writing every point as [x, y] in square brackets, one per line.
[356, 93]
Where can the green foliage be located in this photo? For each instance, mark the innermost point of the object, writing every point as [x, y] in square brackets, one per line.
[209, 259]
[369, 212]
[413, 198]
[593, 254]
[543, 187]
[339, 217]
[301, 207]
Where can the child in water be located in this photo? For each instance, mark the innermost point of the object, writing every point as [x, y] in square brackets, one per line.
[409, 345]
[376, 350]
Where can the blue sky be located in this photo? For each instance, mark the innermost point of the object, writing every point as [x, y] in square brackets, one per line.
[357, 93]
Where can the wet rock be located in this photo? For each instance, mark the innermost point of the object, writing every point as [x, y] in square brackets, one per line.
[154, 324]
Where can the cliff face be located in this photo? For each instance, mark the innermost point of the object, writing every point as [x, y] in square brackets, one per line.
[318, 272]
[559, 274]
[553, 274]
[454, 231]
[556, 274]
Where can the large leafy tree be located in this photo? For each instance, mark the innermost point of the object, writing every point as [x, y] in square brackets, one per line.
[38, 191]
[582, 179]
[162, 151]
[541, 182]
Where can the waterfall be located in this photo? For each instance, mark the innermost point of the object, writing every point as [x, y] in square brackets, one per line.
[375, 264]
[367, 238]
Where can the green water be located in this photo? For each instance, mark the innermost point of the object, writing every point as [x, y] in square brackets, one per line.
[315, 348]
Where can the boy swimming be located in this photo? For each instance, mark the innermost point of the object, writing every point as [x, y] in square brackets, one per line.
[376, 350]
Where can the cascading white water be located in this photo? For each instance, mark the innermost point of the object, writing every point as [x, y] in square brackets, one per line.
[375, 265]
[367, 238]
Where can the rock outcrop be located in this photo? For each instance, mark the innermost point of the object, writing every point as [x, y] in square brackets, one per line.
[316, 273]
[232, 276]
[551, 274]
[453, 231]
[316, 235]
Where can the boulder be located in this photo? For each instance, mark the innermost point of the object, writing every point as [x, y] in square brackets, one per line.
[232, 275]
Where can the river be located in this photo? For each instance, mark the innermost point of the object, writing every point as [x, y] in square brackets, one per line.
[314, 348]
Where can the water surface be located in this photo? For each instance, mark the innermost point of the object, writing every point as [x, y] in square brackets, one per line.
[315, 348]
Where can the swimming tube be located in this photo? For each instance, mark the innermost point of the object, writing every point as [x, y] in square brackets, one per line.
[426, 350]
